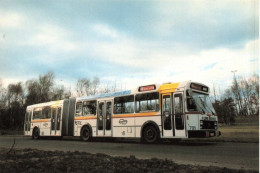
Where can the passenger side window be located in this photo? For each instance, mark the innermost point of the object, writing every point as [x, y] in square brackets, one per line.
[147, 102]
[78, 109]
[89, 108]
[37, 113]
[124, 105]
[46, 111]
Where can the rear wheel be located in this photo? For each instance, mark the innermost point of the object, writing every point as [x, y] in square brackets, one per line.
[150, 134]
[36, 133]
[85, 134]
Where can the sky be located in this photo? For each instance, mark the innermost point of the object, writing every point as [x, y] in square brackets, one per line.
[131, 43]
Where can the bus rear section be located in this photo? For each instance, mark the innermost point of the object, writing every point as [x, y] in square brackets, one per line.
[49, 119]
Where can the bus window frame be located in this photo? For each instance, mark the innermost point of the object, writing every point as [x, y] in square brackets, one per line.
[38, 118]
[157, 109]
[82, 114]
[43, 111]
[113, 105]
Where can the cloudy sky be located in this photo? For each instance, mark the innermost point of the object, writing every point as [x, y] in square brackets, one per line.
[131, 42]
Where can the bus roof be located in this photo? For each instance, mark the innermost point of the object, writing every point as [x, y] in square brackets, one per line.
[113, 94]
[163, 88]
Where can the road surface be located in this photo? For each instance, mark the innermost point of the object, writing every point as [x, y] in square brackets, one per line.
[230, 155]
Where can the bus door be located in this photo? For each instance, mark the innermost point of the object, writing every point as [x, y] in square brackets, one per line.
[178, 114]
[167, 115]
[56, 121]
[27, 122]
[104, 121]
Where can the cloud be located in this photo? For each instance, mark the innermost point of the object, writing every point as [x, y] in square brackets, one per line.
[52, 37]
[165, 41]
[211, 66]
[104, 30]
[10, 20]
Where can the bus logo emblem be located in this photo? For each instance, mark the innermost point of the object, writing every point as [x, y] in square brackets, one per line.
[122, 121]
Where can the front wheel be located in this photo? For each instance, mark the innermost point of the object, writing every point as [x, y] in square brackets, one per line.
[85, 134]
[150, 134]
[35, 134]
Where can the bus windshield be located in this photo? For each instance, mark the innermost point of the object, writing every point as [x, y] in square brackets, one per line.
[200, 102]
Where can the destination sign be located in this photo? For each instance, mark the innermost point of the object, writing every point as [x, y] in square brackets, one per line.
[199, 87]
[147, 88]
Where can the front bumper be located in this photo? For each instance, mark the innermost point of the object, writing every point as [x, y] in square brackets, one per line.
[203, 134]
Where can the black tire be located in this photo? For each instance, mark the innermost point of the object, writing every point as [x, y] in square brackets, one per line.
[150, 134]
[36, 133]
[85, 134]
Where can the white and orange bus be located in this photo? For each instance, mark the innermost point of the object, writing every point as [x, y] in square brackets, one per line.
[152, 112]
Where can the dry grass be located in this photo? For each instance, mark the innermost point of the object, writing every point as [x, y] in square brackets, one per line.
[237, 134]
[29, 160]
[240, 133]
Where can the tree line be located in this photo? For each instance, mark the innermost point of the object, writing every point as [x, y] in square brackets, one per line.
[17, 96]
[242, 98]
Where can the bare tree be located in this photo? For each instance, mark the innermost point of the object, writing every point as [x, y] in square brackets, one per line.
[83, 87]
[214, 92]
[3, 95]
[95, 83]
[237, 94]
[46, 82]
[15, 93]
[40, 90]
[254, 97]
[33, 96]
[58, 93]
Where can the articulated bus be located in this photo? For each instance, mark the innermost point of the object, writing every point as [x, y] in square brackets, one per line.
[151, 112]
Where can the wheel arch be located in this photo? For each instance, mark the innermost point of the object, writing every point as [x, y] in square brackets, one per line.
[36, 127]
[147, 123]
[33, 131]
[87, 125]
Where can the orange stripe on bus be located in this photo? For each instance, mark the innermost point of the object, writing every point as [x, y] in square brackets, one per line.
[43, 120]
[144, 114]
[85, 118]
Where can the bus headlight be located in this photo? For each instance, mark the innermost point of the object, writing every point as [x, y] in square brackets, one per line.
[201, 124]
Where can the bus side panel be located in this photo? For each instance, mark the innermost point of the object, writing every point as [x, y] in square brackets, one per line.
[44, 128]
[140, 121]
[65, 118]
[124, 127]
[72, 102]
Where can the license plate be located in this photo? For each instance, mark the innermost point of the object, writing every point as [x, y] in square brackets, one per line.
[211, 134]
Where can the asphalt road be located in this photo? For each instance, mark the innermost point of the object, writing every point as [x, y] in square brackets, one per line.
[230, 155]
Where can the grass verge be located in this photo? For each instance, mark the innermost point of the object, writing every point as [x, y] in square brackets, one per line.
[241, 133]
